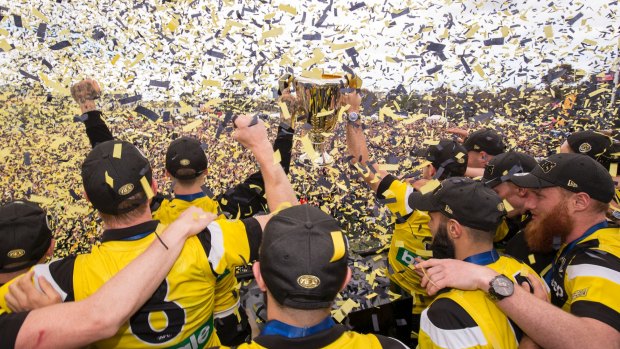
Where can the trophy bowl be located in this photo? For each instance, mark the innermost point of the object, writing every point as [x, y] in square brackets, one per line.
[318, 104]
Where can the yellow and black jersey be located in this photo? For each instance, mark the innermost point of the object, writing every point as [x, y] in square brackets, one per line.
[411, 239]
[585, 279]
[170, 210]
[226, 295]
[470, 319]
[180, 312]
[336, 337]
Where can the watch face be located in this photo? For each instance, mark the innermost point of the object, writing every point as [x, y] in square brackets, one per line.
[353, 116]
[503, 286]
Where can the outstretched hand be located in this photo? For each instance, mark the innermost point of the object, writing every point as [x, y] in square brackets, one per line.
[353, 99]
[87, 89]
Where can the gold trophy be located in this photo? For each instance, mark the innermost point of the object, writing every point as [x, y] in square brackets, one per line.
[318, 103]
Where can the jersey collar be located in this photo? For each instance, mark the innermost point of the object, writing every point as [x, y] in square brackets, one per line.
[190, 197]
[278, 328]
[484, 258]
[130, 233]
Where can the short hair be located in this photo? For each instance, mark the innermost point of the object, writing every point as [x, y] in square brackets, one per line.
[138, 200]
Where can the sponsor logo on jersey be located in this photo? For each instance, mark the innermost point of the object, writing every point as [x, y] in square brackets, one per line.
[199, 338]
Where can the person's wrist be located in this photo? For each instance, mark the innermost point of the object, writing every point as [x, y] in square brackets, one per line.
[88, 105]
[484, 280]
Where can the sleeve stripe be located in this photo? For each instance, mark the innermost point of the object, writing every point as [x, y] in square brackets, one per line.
[591, 270]
[217, 245]
[461, 338]
[44, 270]
[408, 208]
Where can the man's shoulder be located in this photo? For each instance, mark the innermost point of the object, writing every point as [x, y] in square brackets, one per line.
[445, 313]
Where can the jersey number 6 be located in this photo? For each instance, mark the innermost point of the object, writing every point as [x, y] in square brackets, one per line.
[141, 326]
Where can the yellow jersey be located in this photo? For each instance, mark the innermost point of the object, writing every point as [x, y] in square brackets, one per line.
[470, 319]
[180, 312]
[585, 278]
[411, 238]
[226, 294]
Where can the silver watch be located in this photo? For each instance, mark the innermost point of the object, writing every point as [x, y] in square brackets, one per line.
[501, 287]
[353, 116]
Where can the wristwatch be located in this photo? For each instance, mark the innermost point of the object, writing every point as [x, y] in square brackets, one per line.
[501, 287]
[353, 116]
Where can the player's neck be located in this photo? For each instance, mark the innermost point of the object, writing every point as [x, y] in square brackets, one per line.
[472, 249]
[582, 225]
[187, 190]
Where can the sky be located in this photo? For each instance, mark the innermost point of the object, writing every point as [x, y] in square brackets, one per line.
[162, 50]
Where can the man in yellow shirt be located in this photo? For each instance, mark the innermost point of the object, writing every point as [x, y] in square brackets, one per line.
[302, 266]
[118, 182]
[464, 219]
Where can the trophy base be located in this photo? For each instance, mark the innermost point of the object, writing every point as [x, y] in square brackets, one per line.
[323, 160]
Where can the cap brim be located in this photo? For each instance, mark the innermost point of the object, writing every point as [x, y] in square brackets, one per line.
[491, 183]
[421, 202]
[528, 180]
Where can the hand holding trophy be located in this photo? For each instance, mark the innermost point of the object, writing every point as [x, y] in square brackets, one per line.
[318, 102]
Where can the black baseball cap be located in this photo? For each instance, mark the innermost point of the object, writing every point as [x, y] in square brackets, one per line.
[303, 257]
[186, 153]
[501, 167]
[448, 157]
[469, 202]
[595, 145]
[486, 140]
[25, 235]
[574, 172]
[113, 172]
[590, 143]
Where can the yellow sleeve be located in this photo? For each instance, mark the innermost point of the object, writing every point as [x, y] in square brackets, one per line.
[233, 243]
[592, 285]
[395, 197]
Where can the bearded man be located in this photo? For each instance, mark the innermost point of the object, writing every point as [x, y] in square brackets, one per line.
[568, 198]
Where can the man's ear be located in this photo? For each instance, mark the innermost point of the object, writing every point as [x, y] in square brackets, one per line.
[258, 277]
[154, 185]
[521, 192]
[581, 201]
[347, 279]
[455, 230]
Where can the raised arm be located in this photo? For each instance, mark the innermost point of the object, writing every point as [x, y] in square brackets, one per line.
[100, 316]
[357, 147]
[251, 133]
[85, 93]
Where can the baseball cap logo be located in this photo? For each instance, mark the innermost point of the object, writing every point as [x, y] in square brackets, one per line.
[16, 253]
[448, 209]
[126, 189]
[546, 165]
[490, 168]
[308, 281]
[184, 162]
[585, 147]
[572, 184]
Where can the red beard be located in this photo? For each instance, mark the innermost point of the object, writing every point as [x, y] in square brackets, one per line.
[540, 232]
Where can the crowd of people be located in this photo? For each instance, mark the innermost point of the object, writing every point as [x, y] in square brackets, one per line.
[474, 255]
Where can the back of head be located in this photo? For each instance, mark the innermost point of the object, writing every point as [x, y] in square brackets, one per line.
[501, 167]
[595, 145]
[185, 159]
[117, 177]
[448, 157]
[303, 258]
[486, 140]
[25, 235]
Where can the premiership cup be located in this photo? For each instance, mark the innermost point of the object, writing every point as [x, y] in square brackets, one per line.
[318, 104]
